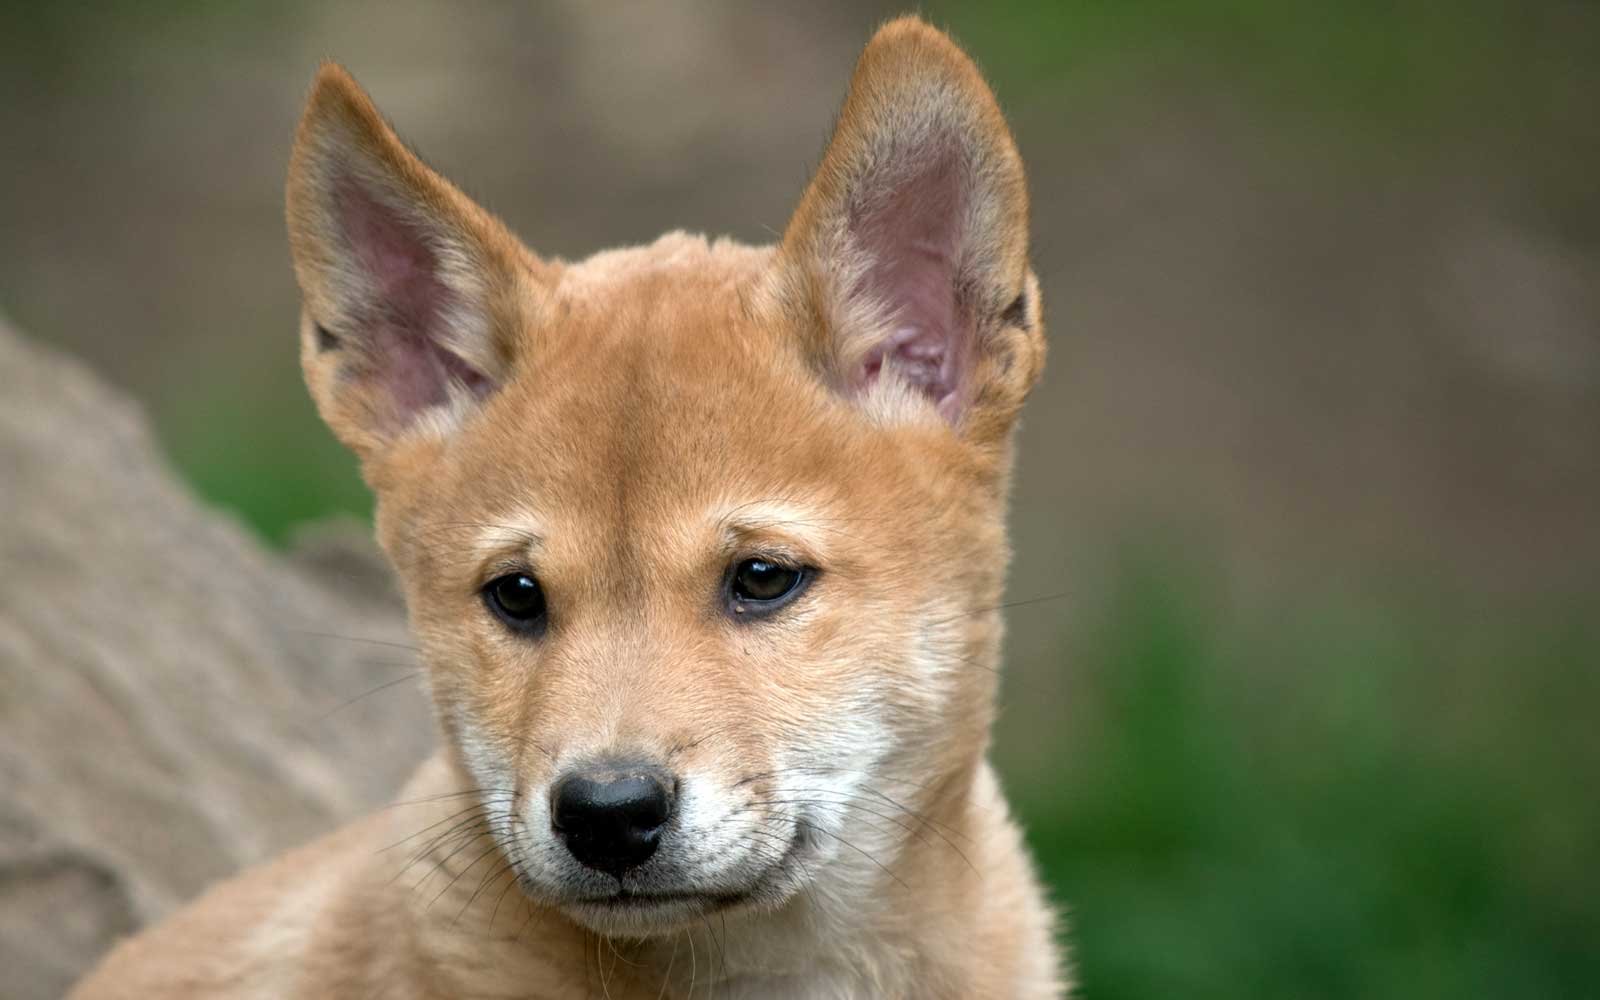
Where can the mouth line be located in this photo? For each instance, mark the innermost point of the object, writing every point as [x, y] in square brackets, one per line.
[624, 899]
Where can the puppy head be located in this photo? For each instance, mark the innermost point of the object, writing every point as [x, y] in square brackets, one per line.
[702, 543]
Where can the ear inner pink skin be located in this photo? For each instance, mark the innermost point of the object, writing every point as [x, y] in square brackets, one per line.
[404, 324]
[911, 236]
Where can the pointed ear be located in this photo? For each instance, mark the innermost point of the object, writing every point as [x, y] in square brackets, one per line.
[908, 255]
[413, 295]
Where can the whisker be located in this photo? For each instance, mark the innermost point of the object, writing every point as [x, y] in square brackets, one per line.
[386, 685]
[391, 644]
[484, 805]
[450, 795]
[778, 854]
[475, 861]
[467, 830]
[843, 806]
[494, 873]
[715, 946]
[666, 977]
[461, 840]
[694, 966]
[1002, 607]
[476, 807]
[921, 832]
[512, 857]
[892, 803]
[853, 847]
[828, 769]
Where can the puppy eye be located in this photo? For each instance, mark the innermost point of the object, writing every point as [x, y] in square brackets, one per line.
[518, 600]
[757, 586]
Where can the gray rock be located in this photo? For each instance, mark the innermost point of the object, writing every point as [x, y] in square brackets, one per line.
[176, 702]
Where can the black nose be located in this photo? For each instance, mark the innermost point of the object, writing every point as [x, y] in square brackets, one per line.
[611, 820]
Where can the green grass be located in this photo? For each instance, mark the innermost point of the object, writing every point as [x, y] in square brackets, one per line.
[262, 454]
[1383, 804]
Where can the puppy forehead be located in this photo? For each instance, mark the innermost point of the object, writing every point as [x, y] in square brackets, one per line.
[653, 365]
[669, 322]
[651, 430]
[787, 525]
[662, 409]
[674, 261]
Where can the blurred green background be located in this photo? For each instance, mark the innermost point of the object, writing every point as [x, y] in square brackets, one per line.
[1302, 699]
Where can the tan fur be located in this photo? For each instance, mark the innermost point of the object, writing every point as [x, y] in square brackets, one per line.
[660, 411]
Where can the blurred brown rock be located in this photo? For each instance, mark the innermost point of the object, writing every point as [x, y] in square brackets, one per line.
[176, 702]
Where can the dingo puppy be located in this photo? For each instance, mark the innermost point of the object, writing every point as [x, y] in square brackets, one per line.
[703, 546]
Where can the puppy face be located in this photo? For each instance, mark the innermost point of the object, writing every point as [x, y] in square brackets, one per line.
[701, 542]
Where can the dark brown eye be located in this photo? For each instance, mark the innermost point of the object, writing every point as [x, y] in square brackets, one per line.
[760, 585]
[518, 600]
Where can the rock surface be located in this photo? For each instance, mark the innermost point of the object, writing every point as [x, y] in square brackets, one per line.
[176, 702]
